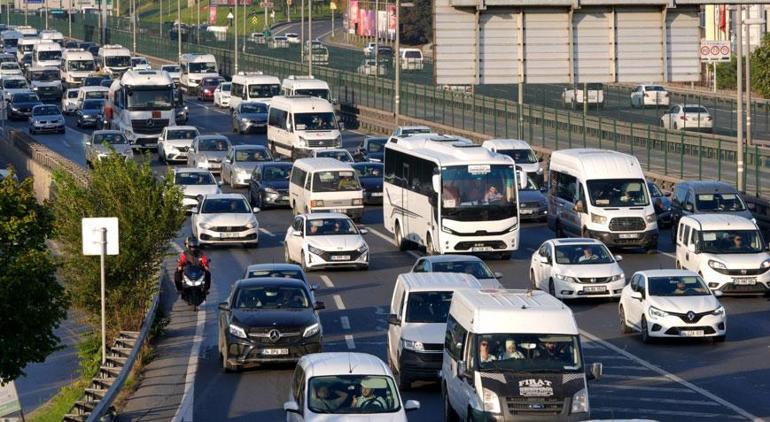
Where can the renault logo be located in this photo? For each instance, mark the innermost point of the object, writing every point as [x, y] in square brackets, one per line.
[274, 335]
[691, 316]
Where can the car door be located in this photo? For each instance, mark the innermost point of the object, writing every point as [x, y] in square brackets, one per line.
[193, 152]
[538, 267]
[693, 259]
[682, 238]
[669, 116]
[394, 331]
[295, 394]
[294, 243]
[226, 164]
[194, 219]
[254, 184]
[634, 307]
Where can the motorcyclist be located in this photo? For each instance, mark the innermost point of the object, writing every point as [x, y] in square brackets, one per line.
[190, 256]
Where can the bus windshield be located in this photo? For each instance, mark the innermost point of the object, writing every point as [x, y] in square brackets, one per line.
[202, 67]
[528, 353]
[618, 193]
[49, 55]
[264, 90]
[150, 98]
[81, 65]
[478, 192]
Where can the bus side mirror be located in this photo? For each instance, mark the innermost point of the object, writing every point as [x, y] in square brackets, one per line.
[595, 371]
[579, 207]
[436, 183]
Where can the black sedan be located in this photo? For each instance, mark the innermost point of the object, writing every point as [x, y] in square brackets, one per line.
[90, 113]
[269, 184]
[268, 320]
[372, 149]
[371, 177]
[20, 105]
[662, 204]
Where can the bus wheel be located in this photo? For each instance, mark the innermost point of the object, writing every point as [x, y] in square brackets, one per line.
[400, 242]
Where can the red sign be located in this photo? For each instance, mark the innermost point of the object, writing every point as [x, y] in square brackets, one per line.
[212, 15]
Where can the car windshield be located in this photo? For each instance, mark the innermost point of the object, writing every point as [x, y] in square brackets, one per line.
[183, 134]
[731, 242]
[295, 274]
[151, 98]
[531, 185]
[478, 192]
[9, 65]
[352, 394]
[14, 83]
[315, 121]
[333, 181]
[210, 83]
[264, 90]
[138, 61]
[477, 269]
[49, 55]
[202, 67]
[25, 98]
[110, 138]
[414, 131]
[194, 178]
[10, 42]
[343, 156]
[271, 297]
[330, 226]
[276, 173]
[92, 80]
[322, 93]
[654, 88]
[225, 87]
[252, 155]
[655, 191]
[618, 193]
[677, 286]
[225, 206]
[45, 111]
[520, 156]
[428, 307]
[213, 144]
[72, 93]
[528, 353]
[81, 65]
[117, 61]
[253, 108]
[171, 69]
[719, 202]
[376, 144]
[93, 104]
[696, 110]
[369, 170]
[583, 254]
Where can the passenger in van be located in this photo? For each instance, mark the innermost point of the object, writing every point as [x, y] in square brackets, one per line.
[510, 351]
[346, 183]
[484, 355]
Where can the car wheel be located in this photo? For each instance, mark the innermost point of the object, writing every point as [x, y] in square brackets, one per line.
[232, 181]
[61, 131]
[449, 413]
[161, 154]
[624, 328]
[645, 331]
[226, 366]
[551, 288]
[678, 265]
[504, 256]
[532, 282]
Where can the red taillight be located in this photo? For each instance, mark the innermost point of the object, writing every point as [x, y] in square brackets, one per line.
[206, 91]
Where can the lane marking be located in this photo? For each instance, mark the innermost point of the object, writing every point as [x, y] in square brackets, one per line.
[612, 410]
[327, 281]
[66, 143]
[636, 378]
[624, 368]
[414, 254]
[185, 410]
[345, 322]
[338, 302]
[672, 377]
[660, 400]
[678, 390]
[381, 235]
[266, 232]
[349, 340]
[672, 256]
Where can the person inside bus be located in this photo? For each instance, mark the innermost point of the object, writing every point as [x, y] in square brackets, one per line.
[492, 194]
[450, 194]
[475, 193]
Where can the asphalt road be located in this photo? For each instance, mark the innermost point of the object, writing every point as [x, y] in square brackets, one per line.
[678, 380]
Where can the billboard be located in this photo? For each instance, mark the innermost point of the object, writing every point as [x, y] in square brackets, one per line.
[353, 13]
[231, 2]
[212, 15]
[366, 22]
[392, 23]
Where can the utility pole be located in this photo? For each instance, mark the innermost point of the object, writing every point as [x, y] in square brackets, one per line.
[748, 75]
[397, 94]
[376, 38]
[739, 79]
[45, 4]
[69, 20]
[235, 25]
[179, 30]
[309, 42]
[302, 32]
[160, 20]
[133, 25]
[520, 127]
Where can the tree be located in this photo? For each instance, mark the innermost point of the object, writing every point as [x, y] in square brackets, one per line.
[149, 211]
[760, 68]
[417, 23]
[33, 303]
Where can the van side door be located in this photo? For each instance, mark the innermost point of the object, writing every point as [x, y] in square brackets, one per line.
[397, 305]
[454, 352]
[296, 184]
[568, 218]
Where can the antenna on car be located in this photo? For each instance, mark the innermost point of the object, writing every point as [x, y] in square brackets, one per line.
[350, 365]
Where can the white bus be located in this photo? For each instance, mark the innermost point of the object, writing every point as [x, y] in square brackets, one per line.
[450, 195]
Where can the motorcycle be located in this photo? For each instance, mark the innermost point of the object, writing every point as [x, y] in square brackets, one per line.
[194, 285]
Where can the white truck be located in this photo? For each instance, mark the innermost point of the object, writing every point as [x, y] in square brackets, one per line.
[141, 104]
[194, 67]
[46, 54]
[113, 60]
[76, 65]
[45, 82]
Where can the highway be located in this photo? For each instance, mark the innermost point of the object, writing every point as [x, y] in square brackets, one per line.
[673, 380]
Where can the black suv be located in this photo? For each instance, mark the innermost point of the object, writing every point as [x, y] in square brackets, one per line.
[705, 197]
[268, 320]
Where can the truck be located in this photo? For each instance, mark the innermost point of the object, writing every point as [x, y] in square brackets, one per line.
[76, 64]
[46, 53]
[194, 67]
[140, 104]
[113, 60]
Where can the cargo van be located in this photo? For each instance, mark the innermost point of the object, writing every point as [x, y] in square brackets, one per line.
[411, 59]
[45, 82]
[47, 54]
[253, 86]
[298, 124]
[11, 40]
[76, 65]
[601, 194]
[25, 45]
[522, 154]
[51, 35]
[325, 185]
[305, 85]
[113, 60]
[193, 68]
[513, 355]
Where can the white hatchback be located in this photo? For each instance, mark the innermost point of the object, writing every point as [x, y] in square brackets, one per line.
[194, 183]
[671, 303]
[225, 218]
[175, 142]
[576, 268]
[326, 240]
[222, 95]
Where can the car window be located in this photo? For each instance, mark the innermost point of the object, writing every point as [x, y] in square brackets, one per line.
[419, 267]
[45, 110]
[477, 269]
[194, 178]
[271, 297]
[331, 226]
[686, 234]
[213, 144]
[252, 155]
[110, 138]
[225, 206]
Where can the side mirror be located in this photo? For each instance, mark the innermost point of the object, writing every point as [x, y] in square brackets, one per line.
[618, 258]
[223, 306]
[436, 183]
[595, 371]
[498, 275]
[291, 406]
[688, 207]
[342, 125]
[461, 369]
[319, 306]
[193, 210]
[522, 179]
[363, 231]
[88, 143]
[718, 293]
[393, 319]
[691, 248]
[636, 295]
[411, 405]
[542, 259]
[256, 210]
[220, 183]
[579, 207]
[296, 233]
[314, 287]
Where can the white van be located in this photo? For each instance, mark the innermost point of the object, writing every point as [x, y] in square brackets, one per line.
[728, 251]
[51, 35]
[113, 60]
[325, 185]
[47, 54]
[91, 92]
[522, 154]
[417, 323]
[601, 194]
[253, 86]
[411, 59]
[513, 355]
[298, 124]
[193, 68]
[10, 40]
[27, 31]
[76, 65]
[25, 45]
[305, 85]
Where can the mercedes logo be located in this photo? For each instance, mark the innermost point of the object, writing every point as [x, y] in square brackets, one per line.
[274, 335]
[150, 123]
[691, 316]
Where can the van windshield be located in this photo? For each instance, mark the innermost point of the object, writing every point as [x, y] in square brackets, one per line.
[719, 202]
[202, 67]
[520, 156]
[117, 61]
[81, 65]
[49, 75]
[314, 121]
[334, 181]
[478, 192]
[14, 83]
[428, 307]
[322, 93]
[49, 55]
[527, 353]
[731, 242]
[618, 193]
[264, 90]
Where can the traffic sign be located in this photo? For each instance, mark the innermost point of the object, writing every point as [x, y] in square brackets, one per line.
[253, 20]
[333, 6]
[715, 51]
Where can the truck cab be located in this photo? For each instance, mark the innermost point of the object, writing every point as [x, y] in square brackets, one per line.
[141, 104]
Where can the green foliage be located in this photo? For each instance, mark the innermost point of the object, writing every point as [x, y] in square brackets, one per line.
[149, 212]
[760, 68]
[417, 23]
[726, 72]
[33, 303]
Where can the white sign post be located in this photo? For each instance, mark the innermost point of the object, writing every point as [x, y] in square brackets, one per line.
[100, 237]
[714, 52]
[9, 400]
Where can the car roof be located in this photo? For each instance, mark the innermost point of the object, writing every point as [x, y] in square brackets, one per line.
[323, 164]
[721, 221]
[325, 215]
[575, 241]
[692, 105]
[438, 281]
[181, 127]
[710, 186]
[366, 163]
[248, 146]
[342, 363]
[224, 196]
[451, 258]
[276, 266]
[665, 273]
[268, 281]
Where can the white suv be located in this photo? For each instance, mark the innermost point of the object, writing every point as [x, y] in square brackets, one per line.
[326, 240]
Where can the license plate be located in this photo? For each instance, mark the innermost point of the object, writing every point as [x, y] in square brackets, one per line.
[340, 257]
[526, 212]
[594, 289]
[745, 281]
[481, 249]
[376, 193]
[628, 235]
[691, 333]
[228, 235]
[275, 352]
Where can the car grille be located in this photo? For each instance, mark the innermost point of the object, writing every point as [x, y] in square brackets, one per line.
[685, 318]
[433, 347]
[148, 126]
[733, 288]
[494, 244]
[627, 224]
[746, 271]
[229, 229]
[47, 89]
[318, 143]
[675, 331]
[215, 160]
[182, 149]
[592, 280]
[327, 256]
[534, 406]
[338, 203]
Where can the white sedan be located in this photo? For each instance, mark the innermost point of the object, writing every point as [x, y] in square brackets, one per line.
[687, 117]
[649, 96]
[576, 268]
[292, 38]
[222, 95]
[326, 240]
[671, 303]
[175, 142]
[225, 218]
[194, 183]
[467, 264]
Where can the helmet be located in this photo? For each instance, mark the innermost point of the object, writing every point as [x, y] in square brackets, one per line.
[192, 244]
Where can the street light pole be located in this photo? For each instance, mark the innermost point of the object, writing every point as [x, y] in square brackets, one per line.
[748, 75]
[133, 26]
[160, 19]
[179, 30]
[198, 27]
[46, 13]
[302, 32]
[739, 79]
[235, 38]
[310, 37]
[397, 94]
[102, 291]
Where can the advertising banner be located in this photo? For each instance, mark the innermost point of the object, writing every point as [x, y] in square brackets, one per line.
[392, 21]
[353, 13]
[382, 23]
[366, 22]
[212, 15]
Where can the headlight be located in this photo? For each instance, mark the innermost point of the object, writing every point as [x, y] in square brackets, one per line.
[244, 120]
[657, 313]
[720, 311]
[206, 226]
[491, 402]
[650, 218]
[718, 265]
[251, 224]
[301, 142]
[315, 250]
[580, 402]
[34, 88]
[236, 331]
[566, 278]
[766, 263]
[617, 277]
[363, 248]
[598, 219]
[358, 202]
[450, 231]
[415, 346]
[312, 330]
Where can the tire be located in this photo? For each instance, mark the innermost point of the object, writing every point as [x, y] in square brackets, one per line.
[449, 413]
[403, 383]
[400, 242]
[624, 328]
[230, 179]
[504, 256]
[645, 332]
[651, 248]
[678, 265]
[161, 155]
[551, 288]
[532, 282]
[226, 366]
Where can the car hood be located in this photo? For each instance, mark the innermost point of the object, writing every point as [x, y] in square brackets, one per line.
[195, 190]
[319, 134]
[431, 333]
[226, 219]
[684, 304]
[10, 91]
[119, 148]
[589, 270]
[47, 117]
[336, 242]
[179, 142]
[380, 417]
[41, 84]
[254, 116]
[294, 319]
[246, 166]
[371, 183]
[532, 196]
[90, 111]
[738, 260]
[213, 154]
[277, 185]
[664, 200]
[25, 104]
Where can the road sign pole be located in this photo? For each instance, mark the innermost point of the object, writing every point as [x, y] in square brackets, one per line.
[397, 94]
[310, 37]
[715, 76]
[101, 265]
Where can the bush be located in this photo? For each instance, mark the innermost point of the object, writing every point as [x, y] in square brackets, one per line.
[150, 214]
[417, 23]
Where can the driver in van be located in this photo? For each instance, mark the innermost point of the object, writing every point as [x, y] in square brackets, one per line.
[738, 244]
[484, 355]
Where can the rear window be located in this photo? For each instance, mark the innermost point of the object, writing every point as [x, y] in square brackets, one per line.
[701, 110]
[595, 87]
[654, 88]
[413, 55]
